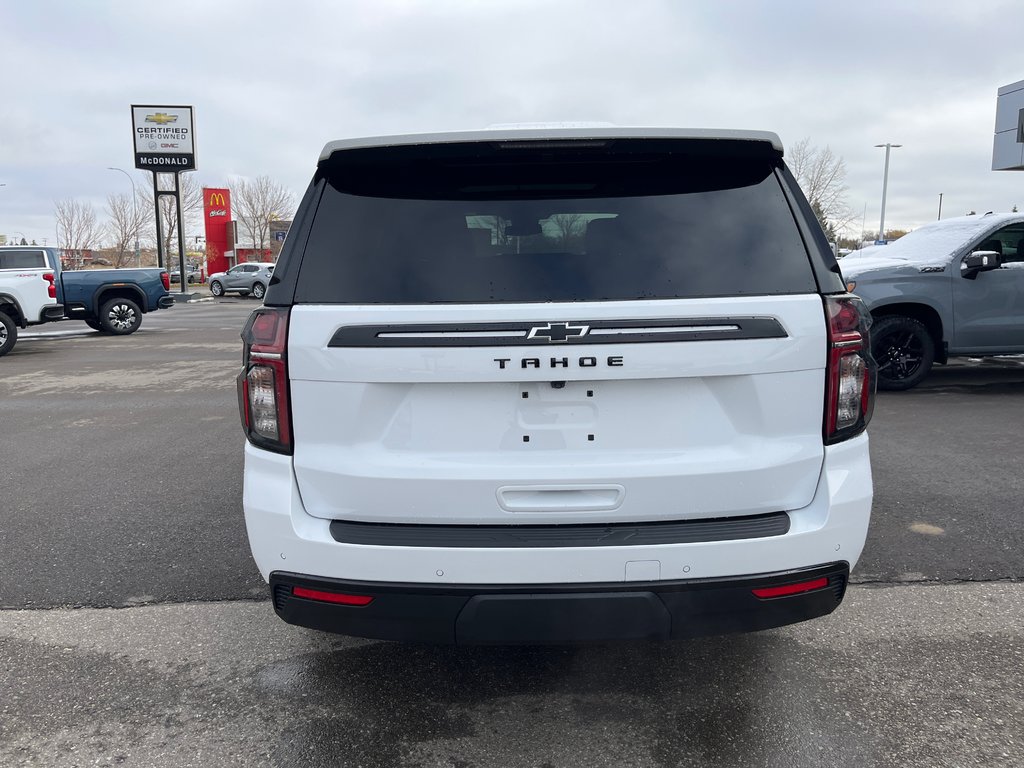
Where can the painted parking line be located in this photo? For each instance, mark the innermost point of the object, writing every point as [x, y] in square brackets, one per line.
[55, 334]
[43, 335]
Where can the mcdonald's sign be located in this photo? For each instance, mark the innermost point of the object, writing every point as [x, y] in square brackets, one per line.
[216, 203]
[217, 218]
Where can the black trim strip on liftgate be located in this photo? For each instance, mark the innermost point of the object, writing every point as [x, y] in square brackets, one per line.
[568, 535]
[551, 333]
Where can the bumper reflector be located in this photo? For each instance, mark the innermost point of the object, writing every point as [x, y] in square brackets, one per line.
[791, 589]
[331, 597]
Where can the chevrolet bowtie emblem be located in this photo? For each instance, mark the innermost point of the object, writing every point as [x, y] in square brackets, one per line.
[161, 118]
[553, 332]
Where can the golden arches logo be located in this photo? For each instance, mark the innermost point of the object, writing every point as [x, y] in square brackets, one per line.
[217, 198]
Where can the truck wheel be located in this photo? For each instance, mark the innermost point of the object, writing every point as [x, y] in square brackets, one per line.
[216, 288]
[258, 291]
[96, 325]
[904, 351]
[120, 316]
[8, 333]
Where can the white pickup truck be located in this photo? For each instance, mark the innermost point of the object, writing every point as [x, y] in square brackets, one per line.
[28, 293]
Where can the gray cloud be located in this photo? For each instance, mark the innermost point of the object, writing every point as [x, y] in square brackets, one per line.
[272, 82]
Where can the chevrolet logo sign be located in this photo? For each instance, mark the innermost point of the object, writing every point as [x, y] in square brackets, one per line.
[161, 118]
[553, 332]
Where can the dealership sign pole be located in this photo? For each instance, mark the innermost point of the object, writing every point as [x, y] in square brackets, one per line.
[165, 142]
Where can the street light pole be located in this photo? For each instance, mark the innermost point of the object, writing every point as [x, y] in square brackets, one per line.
[885, 186]
[135, 213]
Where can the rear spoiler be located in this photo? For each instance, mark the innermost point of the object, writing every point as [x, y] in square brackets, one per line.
[515, 137]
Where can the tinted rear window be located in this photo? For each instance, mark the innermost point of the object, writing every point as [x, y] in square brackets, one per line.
[561, 224]
[22, 259]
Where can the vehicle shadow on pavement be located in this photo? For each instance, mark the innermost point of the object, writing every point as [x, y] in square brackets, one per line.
[386, 704]
[983, 377]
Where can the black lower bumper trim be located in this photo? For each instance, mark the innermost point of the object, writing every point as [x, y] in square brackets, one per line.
[537, 614]
[52, 312]
[165, 302]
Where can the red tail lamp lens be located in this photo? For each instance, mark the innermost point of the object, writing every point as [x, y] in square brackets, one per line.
[263, 382]
[269, 331]
[843, 319]
[849, 371]
[331, 597]
[791, 589]
[264, 328]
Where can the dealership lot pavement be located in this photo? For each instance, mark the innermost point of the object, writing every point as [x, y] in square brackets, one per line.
[122, 485]
[916, 676]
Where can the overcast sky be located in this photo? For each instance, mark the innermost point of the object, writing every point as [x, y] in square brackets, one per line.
[271, 82]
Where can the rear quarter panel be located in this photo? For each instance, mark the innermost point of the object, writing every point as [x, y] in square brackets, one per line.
[26, 289]
[930, 289]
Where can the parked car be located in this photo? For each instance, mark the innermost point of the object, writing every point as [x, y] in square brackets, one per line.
[243, 279]
[468, 421]
[28, 293]
[952, 287]
[192, 274]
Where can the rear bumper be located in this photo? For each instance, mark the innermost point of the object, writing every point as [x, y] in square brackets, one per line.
[534, 614]
[165, 301]
[51, 312]
[283, 537]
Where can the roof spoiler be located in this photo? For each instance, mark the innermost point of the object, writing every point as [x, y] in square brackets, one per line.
[518, 136]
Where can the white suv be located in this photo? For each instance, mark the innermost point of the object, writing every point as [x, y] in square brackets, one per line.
[556, 386]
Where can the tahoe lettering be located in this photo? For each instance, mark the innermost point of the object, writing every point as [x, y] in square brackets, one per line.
[612, 361]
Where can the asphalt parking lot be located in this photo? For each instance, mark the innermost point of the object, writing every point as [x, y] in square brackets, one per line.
[135, 629]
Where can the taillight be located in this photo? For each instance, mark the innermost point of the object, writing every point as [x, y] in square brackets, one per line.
[166, 280]
[263, 382]
[791, 589]
[51, 289]
[331, 597]
[850, 373]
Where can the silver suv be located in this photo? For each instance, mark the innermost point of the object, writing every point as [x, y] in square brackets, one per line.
[243, 279]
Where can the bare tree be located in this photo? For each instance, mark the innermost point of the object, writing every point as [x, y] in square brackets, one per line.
[569, 226]
[259, 202]
[126, 220]
[191, 195]
[822, 177]
[76, 226]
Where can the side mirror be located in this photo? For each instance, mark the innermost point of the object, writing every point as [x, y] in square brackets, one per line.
[980, 261]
